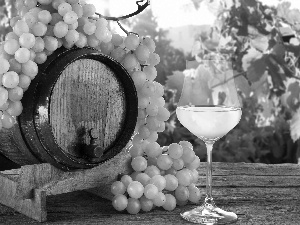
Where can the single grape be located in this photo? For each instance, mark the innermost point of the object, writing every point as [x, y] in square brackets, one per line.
[152, 171]
[139, 78]
[14, 66]
[77, 8]
[182, 193]
[152, 137]
[7, 120]
[152, 109]
[44, 16]
[5, 65]
[159, 200]
[3, 95]
[88, 10]
[159, 181]
[120, 202]
[118, 54]
[30, 3]
[175, 151]
[143, 101]
[135, 151]
[106, 48]
[163, 114]
[195, 175]
[170, 203]
[40, 57]
[23, 11]
[39, 29]
[160, 101]
[132, 41]
[152, 123]
[149, 43]
[130, 61]
[150, 191]
[159, 89]
[195, 164]
[73, 26]
[186, 144]
[178, 164]
[11, 35]
[148, 88]
[12, 21]
[133, 206]
[142, 53]
[139, 163]
[195, 194]
[15, 94]
[144, 132]
[108, 37]
[11, 46]
[63, 8]
[24, 81]
[39, 44]
[143, 178]
[135, 189]
[60, 29]
[164, 162]
[116, 39]
[101, 23]
[146, 204]
[27, 40]
[89, 28]
[184, 177]
[126, 180]
[56, 3]
[161, 127]
[51, 43]
[188, 155]
[117, 187]
[82, 41]
[70, 17]
[10, 79]
[93, 41]
[153, 149]
[171, 182]
[151, 73]
[30, 19]
[14, 108]
[154, 59]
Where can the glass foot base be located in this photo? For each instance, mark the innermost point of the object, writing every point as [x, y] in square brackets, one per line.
[208, 214]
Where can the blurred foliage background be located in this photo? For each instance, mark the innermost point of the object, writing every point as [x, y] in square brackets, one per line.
[264, 45]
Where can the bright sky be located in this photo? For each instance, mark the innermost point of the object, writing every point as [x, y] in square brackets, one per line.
[169, 13]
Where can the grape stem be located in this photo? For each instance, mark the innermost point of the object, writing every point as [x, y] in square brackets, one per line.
[139, 10]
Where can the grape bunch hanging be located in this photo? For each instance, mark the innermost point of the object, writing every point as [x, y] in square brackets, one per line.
[164, 176]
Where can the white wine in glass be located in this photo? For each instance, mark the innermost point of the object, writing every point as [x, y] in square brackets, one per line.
[209, 107]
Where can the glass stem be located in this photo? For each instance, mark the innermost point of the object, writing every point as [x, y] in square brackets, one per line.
[209, 198]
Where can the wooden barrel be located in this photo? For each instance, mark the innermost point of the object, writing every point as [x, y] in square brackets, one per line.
[79, 111]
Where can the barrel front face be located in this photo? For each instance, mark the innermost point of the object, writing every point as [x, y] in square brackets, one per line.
[80, 99]
[87, 96]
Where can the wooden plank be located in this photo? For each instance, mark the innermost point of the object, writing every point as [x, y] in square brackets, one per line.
[81, 208]
[249, 169]
[34, 208]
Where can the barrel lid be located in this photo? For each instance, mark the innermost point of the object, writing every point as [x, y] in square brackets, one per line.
[36, 121]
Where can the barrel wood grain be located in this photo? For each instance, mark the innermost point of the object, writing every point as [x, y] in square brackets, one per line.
[243, 188]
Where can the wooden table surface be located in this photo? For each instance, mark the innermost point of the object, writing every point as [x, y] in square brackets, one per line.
[259, 194]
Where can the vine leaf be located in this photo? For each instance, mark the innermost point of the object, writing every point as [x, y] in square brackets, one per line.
[260, 42]
[254, 64]
[175, 82]
[295, 126]
[277, 74]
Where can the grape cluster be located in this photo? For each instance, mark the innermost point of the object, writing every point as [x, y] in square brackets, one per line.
[162, 177]
[42, 26]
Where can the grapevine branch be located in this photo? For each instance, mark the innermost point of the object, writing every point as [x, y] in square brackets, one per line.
[139, 10]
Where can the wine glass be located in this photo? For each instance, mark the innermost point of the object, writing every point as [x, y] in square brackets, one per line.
[209, 107]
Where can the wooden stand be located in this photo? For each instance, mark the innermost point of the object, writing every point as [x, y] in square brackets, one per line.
[26, 189]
